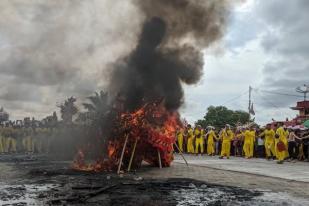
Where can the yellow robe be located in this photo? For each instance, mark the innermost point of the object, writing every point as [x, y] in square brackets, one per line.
[211, 142]
[269, 142]
[247, 143]
[10, 142]
[180, 140]
[28, 140]
[226, 136]
[252, 135]
[190, 147]
[199, 140]
[2, 142]
[282, 137]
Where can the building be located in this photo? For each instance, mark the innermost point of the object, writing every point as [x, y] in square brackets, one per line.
[303, 108]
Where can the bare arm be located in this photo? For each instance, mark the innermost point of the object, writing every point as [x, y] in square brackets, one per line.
[305, 137]
[296, 137]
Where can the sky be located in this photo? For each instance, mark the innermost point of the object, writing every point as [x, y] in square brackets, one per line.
[50, 51]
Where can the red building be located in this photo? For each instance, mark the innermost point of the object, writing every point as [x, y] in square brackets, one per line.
[303, 108]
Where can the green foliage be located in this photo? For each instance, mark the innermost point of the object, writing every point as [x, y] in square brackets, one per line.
[4, 116]
[220, 115]
[97, 108]
[68, 109]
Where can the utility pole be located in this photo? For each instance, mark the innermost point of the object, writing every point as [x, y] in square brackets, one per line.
[249, 106]
[304, 90]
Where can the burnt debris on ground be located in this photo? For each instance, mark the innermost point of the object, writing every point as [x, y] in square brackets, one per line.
[44, 182]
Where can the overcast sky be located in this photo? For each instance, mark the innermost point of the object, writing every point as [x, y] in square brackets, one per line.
[50, 51]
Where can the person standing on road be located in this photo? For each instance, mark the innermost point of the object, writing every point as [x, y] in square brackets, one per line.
[239, 138]
[227, 136]
[2, 140]
[190, 138]
[280, 141]
[269, 138]
[199, 139]
[10, 142]
[292, 145]
[260, 151]
[286, 134]
[248, 143]
[253, 137]
[29, 142]
[305, 147]
[180, 139]
[211, 137]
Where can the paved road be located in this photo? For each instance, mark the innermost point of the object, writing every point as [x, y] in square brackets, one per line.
[234, 172]
[298, 171]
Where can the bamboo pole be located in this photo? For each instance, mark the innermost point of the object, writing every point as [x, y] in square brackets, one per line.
[159, 157]
[132, 155]
[122, 153]
[180, 152]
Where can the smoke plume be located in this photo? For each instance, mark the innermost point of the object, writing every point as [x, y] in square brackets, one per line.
[169, 51]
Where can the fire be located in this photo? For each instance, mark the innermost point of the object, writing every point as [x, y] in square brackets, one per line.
[151, 129]
[111, 149]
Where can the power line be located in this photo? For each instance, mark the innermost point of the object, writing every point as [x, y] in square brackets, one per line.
[234, 98]
[266, 100]
[279, 93]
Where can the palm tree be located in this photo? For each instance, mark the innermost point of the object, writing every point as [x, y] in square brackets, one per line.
[98, 116]
[97, 107]
[4, 116]
[68, 109]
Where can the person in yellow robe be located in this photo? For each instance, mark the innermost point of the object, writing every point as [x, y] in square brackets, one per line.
[10, 140]
[211, 137]
[227, 136]
[253, 138]
[248, 147]
[40, 137]
[180, 139]
[286, 142]
[269, 135]
[281, 138]
[29, 142]
[2, 140]
[190, 138]
[247, 142]
[199, 139]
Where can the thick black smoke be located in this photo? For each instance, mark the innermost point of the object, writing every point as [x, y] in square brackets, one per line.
[169, 51]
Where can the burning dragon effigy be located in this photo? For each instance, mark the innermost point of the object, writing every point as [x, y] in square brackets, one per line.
[168, 53]
[147, 134]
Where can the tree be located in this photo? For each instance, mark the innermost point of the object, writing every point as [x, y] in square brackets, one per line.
[50, 121]
[97, 108]
[220, 116]
[4, 116]
[68, 110]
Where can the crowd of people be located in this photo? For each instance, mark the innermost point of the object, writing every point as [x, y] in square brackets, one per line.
[278, 143]
[15, 138]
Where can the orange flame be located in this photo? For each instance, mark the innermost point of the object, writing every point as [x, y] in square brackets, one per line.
[155, 129]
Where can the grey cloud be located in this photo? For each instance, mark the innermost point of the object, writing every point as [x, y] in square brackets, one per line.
[288, 26]
[241, 29]
[60, 48]
[286, 41]
[282, 77]
[26, 93]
